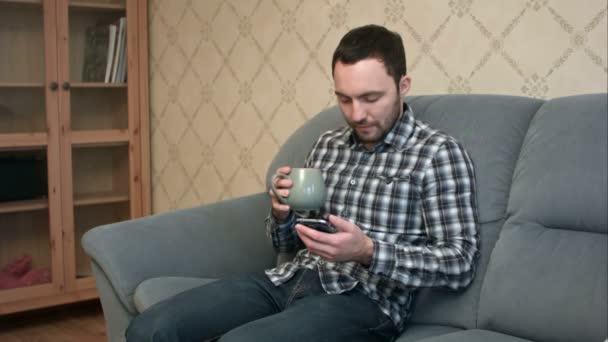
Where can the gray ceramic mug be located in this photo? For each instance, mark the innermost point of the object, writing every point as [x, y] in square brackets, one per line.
[308, 191]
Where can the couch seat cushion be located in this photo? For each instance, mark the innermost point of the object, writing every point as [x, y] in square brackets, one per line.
[417, 332]
[474, 335]
[154, 290]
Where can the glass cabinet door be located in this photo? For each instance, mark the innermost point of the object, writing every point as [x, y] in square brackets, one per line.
[30, 222]
[96, 110]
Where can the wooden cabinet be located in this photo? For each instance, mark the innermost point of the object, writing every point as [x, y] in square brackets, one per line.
[77, 152]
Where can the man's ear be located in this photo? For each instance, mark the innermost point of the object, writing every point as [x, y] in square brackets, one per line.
[405, 83]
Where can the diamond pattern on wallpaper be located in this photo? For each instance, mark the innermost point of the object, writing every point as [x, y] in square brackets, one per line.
[247, 128]
[188, 33]
[265, 92]
[190, 158]
[208, 124]
[230, 80]
[262, 154]
[224, 29]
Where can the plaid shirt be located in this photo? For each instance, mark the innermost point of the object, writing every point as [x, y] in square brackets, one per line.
[413, 195]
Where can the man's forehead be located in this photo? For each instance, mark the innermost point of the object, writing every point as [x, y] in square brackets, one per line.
[361, 78]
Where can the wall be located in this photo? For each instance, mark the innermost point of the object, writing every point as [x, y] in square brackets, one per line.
[231, 79]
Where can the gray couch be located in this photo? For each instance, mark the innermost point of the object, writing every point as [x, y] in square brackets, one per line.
[542, 193]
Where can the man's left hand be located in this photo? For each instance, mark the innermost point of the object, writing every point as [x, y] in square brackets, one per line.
[348, 244]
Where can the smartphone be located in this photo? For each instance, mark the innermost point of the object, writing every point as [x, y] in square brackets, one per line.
[318, 224]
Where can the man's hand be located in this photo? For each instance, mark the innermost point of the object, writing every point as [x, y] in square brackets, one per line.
[348, 244]
[281, 211]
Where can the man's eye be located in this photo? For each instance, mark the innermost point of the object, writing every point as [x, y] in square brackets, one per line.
[344, 99]
[371, 99]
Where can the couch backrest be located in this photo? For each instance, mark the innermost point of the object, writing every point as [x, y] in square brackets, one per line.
[547, 277]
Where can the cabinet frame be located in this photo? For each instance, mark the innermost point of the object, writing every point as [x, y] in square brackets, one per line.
[59, 140]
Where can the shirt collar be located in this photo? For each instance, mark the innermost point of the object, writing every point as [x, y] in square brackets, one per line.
[397, 137]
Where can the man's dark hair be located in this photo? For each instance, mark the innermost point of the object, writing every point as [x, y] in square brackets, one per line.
[376, 42]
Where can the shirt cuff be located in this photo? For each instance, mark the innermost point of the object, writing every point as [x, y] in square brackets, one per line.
[384, 259]
[289, 222]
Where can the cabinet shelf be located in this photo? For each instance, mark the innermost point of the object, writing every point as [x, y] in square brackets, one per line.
[22, 2]
[87, 5]
[94, 138]
[21, 84]
[22, 140]
[98, 85]
[99, 198]
[25, 205]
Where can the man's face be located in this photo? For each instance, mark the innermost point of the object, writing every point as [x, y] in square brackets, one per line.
[369, 98]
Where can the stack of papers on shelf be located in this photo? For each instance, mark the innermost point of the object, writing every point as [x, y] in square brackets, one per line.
[105, 58]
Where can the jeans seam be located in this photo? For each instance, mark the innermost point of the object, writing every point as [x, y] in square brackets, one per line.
[376, 329]
[213, 338]
[295, 290]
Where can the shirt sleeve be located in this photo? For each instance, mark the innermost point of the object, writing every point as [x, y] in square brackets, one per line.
[283, 235]
[449, 212]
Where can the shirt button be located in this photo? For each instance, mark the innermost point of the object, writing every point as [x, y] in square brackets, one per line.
[365, 156]
[353, 182]
[344, 213]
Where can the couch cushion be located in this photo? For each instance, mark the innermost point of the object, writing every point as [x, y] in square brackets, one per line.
[547, 275]
[474, 335]
[416, 332]
[155, 290]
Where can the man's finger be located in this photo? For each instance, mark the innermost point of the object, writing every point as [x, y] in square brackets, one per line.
[284, 183]
[307, 235]
[280, 207]
[280, 192]
[284, 170]
[340, 223]
[322, 238]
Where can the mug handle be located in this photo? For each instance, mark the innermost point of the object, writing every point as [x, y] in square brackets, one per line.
[274, 187]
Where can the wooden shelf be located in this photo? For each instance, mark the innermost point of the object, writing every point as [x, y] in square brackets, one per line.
[25, 205]
[98, 85]
[22, 2]
[100, 137]
[99, 198]
[23, 140]
[99, 6]
[21, 84]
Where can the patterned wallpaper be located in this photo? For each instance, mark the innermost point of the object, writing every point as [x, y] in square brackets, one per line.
[230, 80]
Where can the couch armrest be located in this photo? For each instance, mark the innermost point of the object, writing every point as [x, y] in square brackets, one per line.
[210, 241]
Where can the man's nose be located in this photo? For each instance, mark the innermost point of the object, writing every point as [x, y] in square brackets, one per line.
[358, 112]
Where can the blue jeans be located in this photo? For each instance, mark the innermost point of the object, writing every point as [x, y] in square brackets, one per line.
[252, 308]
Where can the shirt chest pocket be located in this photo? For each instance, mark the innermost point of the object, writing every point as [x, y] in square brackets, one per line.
[399, 186]
[391, 200]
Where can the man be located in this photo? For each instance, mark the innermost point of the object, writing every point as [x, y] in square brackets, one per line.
[402, 197]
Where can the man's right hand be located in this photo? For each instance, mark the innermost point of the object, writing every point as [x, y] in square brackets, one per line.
[281, 211]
